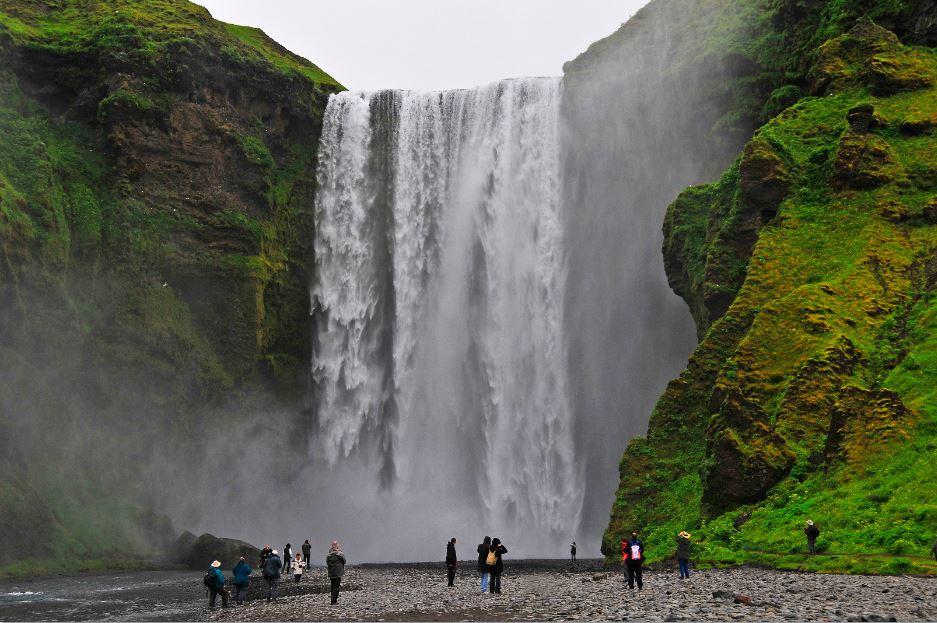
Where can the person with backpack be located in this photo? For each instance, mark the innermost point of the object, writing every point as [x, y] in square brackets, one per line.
[296, 567]
[683, 554]
[451, 561]
[214, 582]
[632, 554]
[812, 532]
[335, 564]
[307, 552]
[572, 552]
[271, 570]
[287, 557]
[495, 565]
[242, 580]
[482, 549]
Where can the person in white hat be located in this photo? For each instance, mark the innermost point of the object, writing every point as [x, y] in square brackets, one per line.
[272, 568]
[214, 580]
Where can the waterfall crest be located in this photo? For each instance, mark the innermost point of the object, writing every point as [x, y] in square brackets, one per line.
[440, 359]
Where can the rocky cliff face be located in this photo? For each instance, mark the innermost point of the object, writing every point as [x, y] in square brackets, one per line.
[156, 182]
[810, 270]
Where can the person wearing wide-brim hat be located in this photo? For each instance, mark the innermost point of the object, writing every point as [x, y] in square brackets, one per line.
[217, 586]
[812, 532]
[683, 554]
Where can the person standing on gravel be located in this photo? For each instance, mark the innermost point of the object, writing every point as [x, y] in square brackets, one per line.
[263, 557]
[572, 551]
[296, 567]
[335, 563]
[632, 554]
[495, 565]
[242, 580]
[933, 550]
[271, 570]
[483, 548]
[812, 532]
[307, 552]
[287, 557]
[451, 561]
[683, 554]
[217, 586]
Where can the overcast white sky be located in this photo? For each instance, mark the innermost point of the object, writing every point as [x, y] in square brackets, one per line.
[431, 44]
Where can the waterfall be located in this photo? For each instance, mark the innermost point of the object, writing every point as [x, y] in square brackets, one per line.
[440, 359]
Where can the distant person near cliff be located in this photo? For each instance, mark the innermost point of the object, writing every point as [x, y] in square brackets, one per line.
[933, 550]
[451, 561]
[812, 532]
[307, 552]
[483, 548]
[335, 564]
[242, 580]
[296, 567]
[683, 554]
[495, 565]
[215, 582]
[572, 551]
[287, 557]
[632, 555]
[271, 570]
[263, 557]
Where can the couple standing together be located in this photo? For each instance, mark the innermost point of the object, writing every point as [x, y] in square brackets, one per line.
[490, 564]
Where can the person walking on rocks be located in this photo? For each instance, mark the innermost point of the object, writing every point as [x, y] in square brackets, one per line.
[495, 565]
[572, 552]
[263, 557]
[335, 563]
[287, 557]
[307, 552]
[632, 554]
[812, 532]
[271, 570]
[451, 561]
[242, 581]
[683, 554]
[483, 548]
[217, 586]
[296, 567]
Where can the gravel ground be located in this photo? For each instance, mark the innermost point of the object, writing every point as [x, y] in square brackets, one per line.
[420, 594]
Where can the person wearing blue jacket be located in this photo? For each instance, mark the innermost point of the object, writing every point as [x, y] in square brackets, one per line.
[242, 580]
[218, 587]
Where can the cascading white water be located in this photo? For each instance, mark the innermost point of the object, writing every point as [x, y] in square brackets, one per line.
[440, 358]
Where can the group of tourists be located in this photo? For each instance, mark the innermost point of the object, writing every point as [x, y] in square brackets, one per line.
[490, 563]
[272, 567]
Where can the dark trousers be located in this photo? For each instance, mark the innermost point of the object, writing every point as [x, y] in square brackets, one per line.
[634, 573]
[273, 584]
[494, 585]
[450, 574]
[684, 564]
[297, 577]
[240, 593]
[306, 559]
[812, 545]
[336, 586]
[213, 594]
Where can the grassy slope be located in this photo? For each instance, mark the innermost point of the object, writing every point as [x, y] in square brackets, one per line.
[108, 353]
[837, 265]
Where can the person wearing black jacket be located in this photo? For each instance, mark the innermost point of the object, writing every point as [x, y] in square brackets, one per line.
[496, 550]
[451, 561]
[483, 548]
[812, 532]
[307, 552]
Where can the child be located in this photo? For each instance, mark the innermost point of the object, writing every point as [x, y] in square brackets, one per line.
[296, 566]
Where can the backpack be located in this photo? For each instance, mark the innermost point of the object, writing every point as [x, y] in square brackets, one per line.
[209, 580]
[635, 551]
[492, 559]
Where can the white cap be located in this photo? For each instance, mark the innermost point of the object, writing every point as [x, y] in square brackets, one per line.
[274, 552]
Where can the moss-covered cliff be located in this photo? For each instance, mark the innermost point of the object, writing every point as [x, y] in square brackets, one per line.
[810, 269]
[156, 183]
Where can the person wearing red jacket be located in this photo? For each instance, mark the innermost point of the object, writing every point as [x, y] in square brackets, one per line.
[632, 555]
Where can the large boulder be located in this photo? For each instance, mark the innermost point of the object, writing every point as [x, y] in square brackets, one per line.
[198, 553]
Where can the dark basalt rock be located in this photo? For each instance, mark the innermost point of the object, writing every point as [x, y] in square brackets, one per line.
[198, 553]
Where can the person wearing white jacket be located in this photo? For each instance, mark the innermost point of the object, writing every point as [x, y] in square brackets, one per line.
[296, 567]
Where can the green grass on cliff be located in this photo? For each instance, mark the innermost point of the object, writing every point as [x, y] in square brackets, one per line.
[837, 299]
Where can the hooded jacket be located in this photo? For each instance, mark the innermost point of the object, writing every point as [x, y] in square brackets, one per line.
[451, 558]
[218, 577]
[242, 573]
[482, 556]
[498, 550]
[335, 562]
[272, 566]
